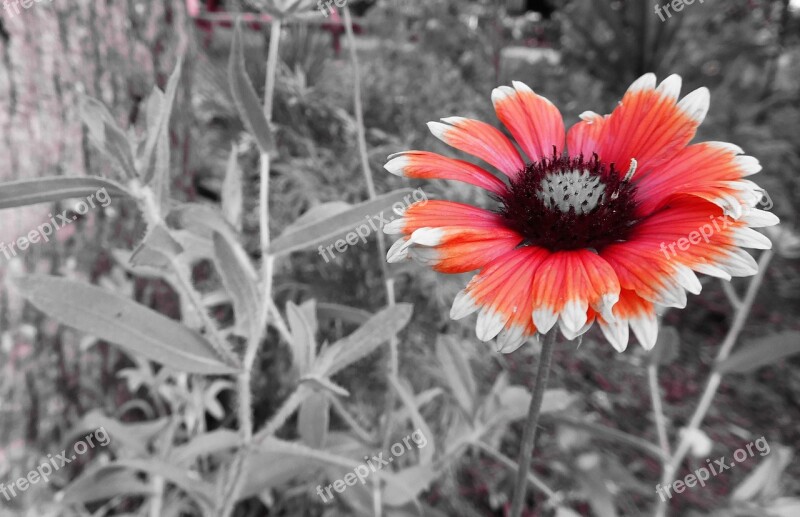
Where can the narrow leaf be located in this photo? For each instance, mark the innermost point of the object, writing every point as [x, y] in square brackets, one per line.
[403, 389]
[158, 131]
[102, 484]
[378, 330]
[368, 216]
[763, 352]
[406, 486]
[46, 190]
[232, 195]
[107, 135]
[202, 220]
[244, 95]
[157, 250]
[304, 344]
[240, 280]
[118, 320]
[313, 420]
[457, 372]
[213, 442]
[335, 311]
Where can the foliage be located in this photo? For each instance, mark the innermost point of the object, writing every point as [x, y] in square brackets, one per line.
[201, 424]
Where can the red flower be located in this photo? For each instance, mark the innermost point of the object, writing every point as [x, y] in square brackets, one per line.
[610, 232]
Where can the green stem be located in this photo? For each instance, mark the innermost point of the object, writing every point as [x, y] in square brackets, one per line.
[529, 434]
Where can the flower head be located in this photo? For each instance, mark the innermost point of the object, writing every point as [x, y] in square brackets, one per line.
[608, 230]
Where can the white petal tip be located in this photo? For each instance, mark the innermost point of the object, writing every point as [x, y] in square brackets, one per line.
[645, 82]
[696, 104]
[397, 165]
[544, 319]
[490, 323]
[395, 226]
[427, 236]
[463, 306]
[399, 251]
[749, 165]
[671, 86]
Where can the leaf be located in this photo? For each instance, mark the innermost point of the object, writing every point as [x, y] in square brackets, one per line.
[320, 231]
[240, 280]
[162, 176]
[157, 250]
[102, 484]
[272, 469]
[784, 507]
[244, 95]
[304, 343]
[365, 340]
[319, 213]
[158, 130]
[210, 400]
[764, 351]
[107, 135]
[324, 384]
[335, 311]
[403, 389]
[132, 437]
[189, 481]
[667, 346]
[405, 486]
[206, 444]
[118, 320]
[514, 402]
[313, 420]
[202, 220]
[297, 449]
[764, 480]
[232, 194]
[457, 372]
[45, 190]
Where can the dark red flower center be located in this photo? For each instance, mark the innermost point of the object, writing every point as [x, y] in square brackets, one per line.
[564, 203]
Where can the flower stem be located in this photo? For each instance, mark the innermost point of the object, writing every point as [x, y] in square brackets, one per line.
[658, 410]
[394, 361]
[714, 381]
[529, 434]
[240, 465]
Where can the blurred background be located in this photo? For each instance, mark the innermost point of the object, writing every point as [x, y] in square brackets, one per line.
[420, 60]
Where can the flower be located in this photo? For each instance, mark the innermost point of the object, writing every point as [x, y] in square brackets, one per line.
[610, 231]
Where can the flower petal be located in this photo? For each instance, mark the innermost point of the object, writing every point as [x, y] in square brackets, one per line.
[583, 138]
[503, 292]
[567, 284]
[453, 249]
[425, 165]
[535, 122]
[710, 170]
[635, 312]
[480, 140]
[434, 213]
[650, 126]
